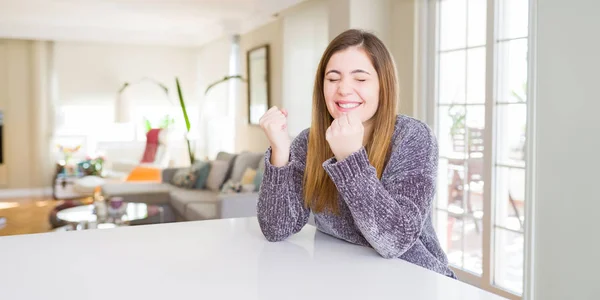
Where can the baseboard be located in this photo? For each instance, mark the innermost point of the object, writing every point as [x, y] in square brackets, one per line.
[24, 193]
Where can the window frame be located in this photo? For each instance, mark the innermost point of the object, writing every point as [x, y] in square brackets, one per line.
[428, 88]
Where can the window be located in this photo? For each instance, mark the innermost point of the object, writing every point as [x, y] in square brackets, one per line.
[480, 117]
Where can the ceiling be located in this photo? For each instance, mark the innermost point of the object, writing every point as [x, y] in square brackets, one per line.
[165, 22]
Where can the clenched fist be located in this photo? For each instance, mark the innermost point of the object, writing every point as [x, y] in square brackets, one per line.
[345, 136]
[274, 124]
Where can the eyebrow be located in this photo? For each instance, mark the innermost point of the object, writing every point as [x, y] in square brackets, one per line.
[353, 72]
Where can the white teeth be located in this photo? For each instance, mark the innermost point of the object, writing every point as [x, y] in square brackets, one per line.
[348, 105]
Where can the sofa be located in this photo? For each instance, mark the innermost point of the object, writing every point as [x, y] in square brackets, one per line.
[193, 204]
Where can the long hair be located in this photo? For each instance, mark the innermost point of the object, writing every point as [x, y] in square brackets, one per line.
[320, 193]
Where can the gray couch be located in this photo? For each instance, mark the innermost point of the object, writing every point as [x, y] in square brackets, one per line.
[195, 204]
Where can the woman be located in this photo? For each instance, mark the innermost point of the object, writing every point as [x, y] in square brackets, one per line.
[367, 175]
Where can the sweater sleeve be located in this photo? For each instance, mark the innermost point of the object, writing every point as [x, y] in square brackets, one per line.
[390, 217]
[280, 209]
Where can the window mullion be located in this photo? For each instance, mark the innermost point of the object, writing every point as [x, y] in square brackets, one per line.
[466, 192]
[489, 158]
[528, 261]
[433, 63]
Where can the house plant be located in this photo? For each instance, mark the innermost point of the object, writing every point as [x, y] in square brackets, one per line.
[184, 110]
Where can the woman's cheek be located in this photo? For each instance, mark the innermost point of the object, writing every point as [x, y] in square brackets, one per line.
[372, 94]
[329, 93]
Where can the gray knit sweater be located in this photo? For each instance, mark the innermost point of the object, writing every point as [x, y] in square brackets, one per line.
[391, 215]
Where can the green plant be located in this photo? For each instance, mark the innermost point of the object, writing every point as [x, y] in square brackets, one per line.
[186, 118]
[92, 165]
[458, 119]
[184, 109]
[522, 95]
[147, 124]
[166, 122]
[127, 84]
[226, 78]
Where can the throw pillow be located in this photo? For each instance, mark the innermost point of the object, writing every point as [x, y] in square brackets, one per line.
[201, 170]
[248, 188]
[184, 178]
[230, 159]
[216, 175]
[244, 161]
[231, 187]
[248, 177]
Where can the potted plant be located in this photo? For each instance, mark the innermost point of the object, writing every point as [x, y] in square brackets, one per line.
[184, 110]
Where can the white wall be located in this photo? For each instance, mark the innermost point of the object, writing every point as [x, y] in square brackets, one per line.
[339, 17]
[41, 85]
[217, 122]
[305, 38]
[24, 101]
[15, 103]
[402, 44]
[90, 74]
[394, 23]
[93, 73]
[298, 39]
[567, 240]
[251, 137]
[375, 16]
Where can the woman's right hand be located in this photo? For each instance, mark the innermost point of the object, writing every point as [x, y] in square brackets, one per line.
[274, 124]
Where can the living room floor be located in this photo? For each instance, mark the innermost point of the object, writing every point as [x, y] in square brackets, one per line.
[26, 215]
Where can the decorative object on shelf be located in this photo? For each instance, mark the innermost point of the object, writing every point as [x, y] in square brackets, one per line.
[67, 166]
[116, 208]
[101, 210]
[100, 205]
[92, 165]
[257, 63]
[68, 152]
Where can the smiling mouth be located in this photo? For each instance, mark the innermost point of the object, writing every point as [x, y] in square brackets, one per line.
[348, 105]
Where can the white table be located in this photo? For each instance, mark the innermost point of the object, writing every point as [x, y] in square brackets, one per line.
[220, 259]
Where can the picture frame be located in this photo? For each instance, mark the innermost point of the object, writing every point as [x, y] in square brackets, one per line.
[259, 83]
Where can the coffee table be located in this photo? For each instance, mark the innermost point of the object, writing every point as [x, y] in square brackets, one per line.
[84, 216]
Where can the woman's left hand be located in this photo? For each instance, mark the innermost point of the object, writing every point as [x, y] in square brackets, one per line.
[345, 136]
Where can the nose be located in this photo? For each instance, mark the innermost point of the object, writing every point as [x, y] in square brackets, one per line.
[344, 88]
